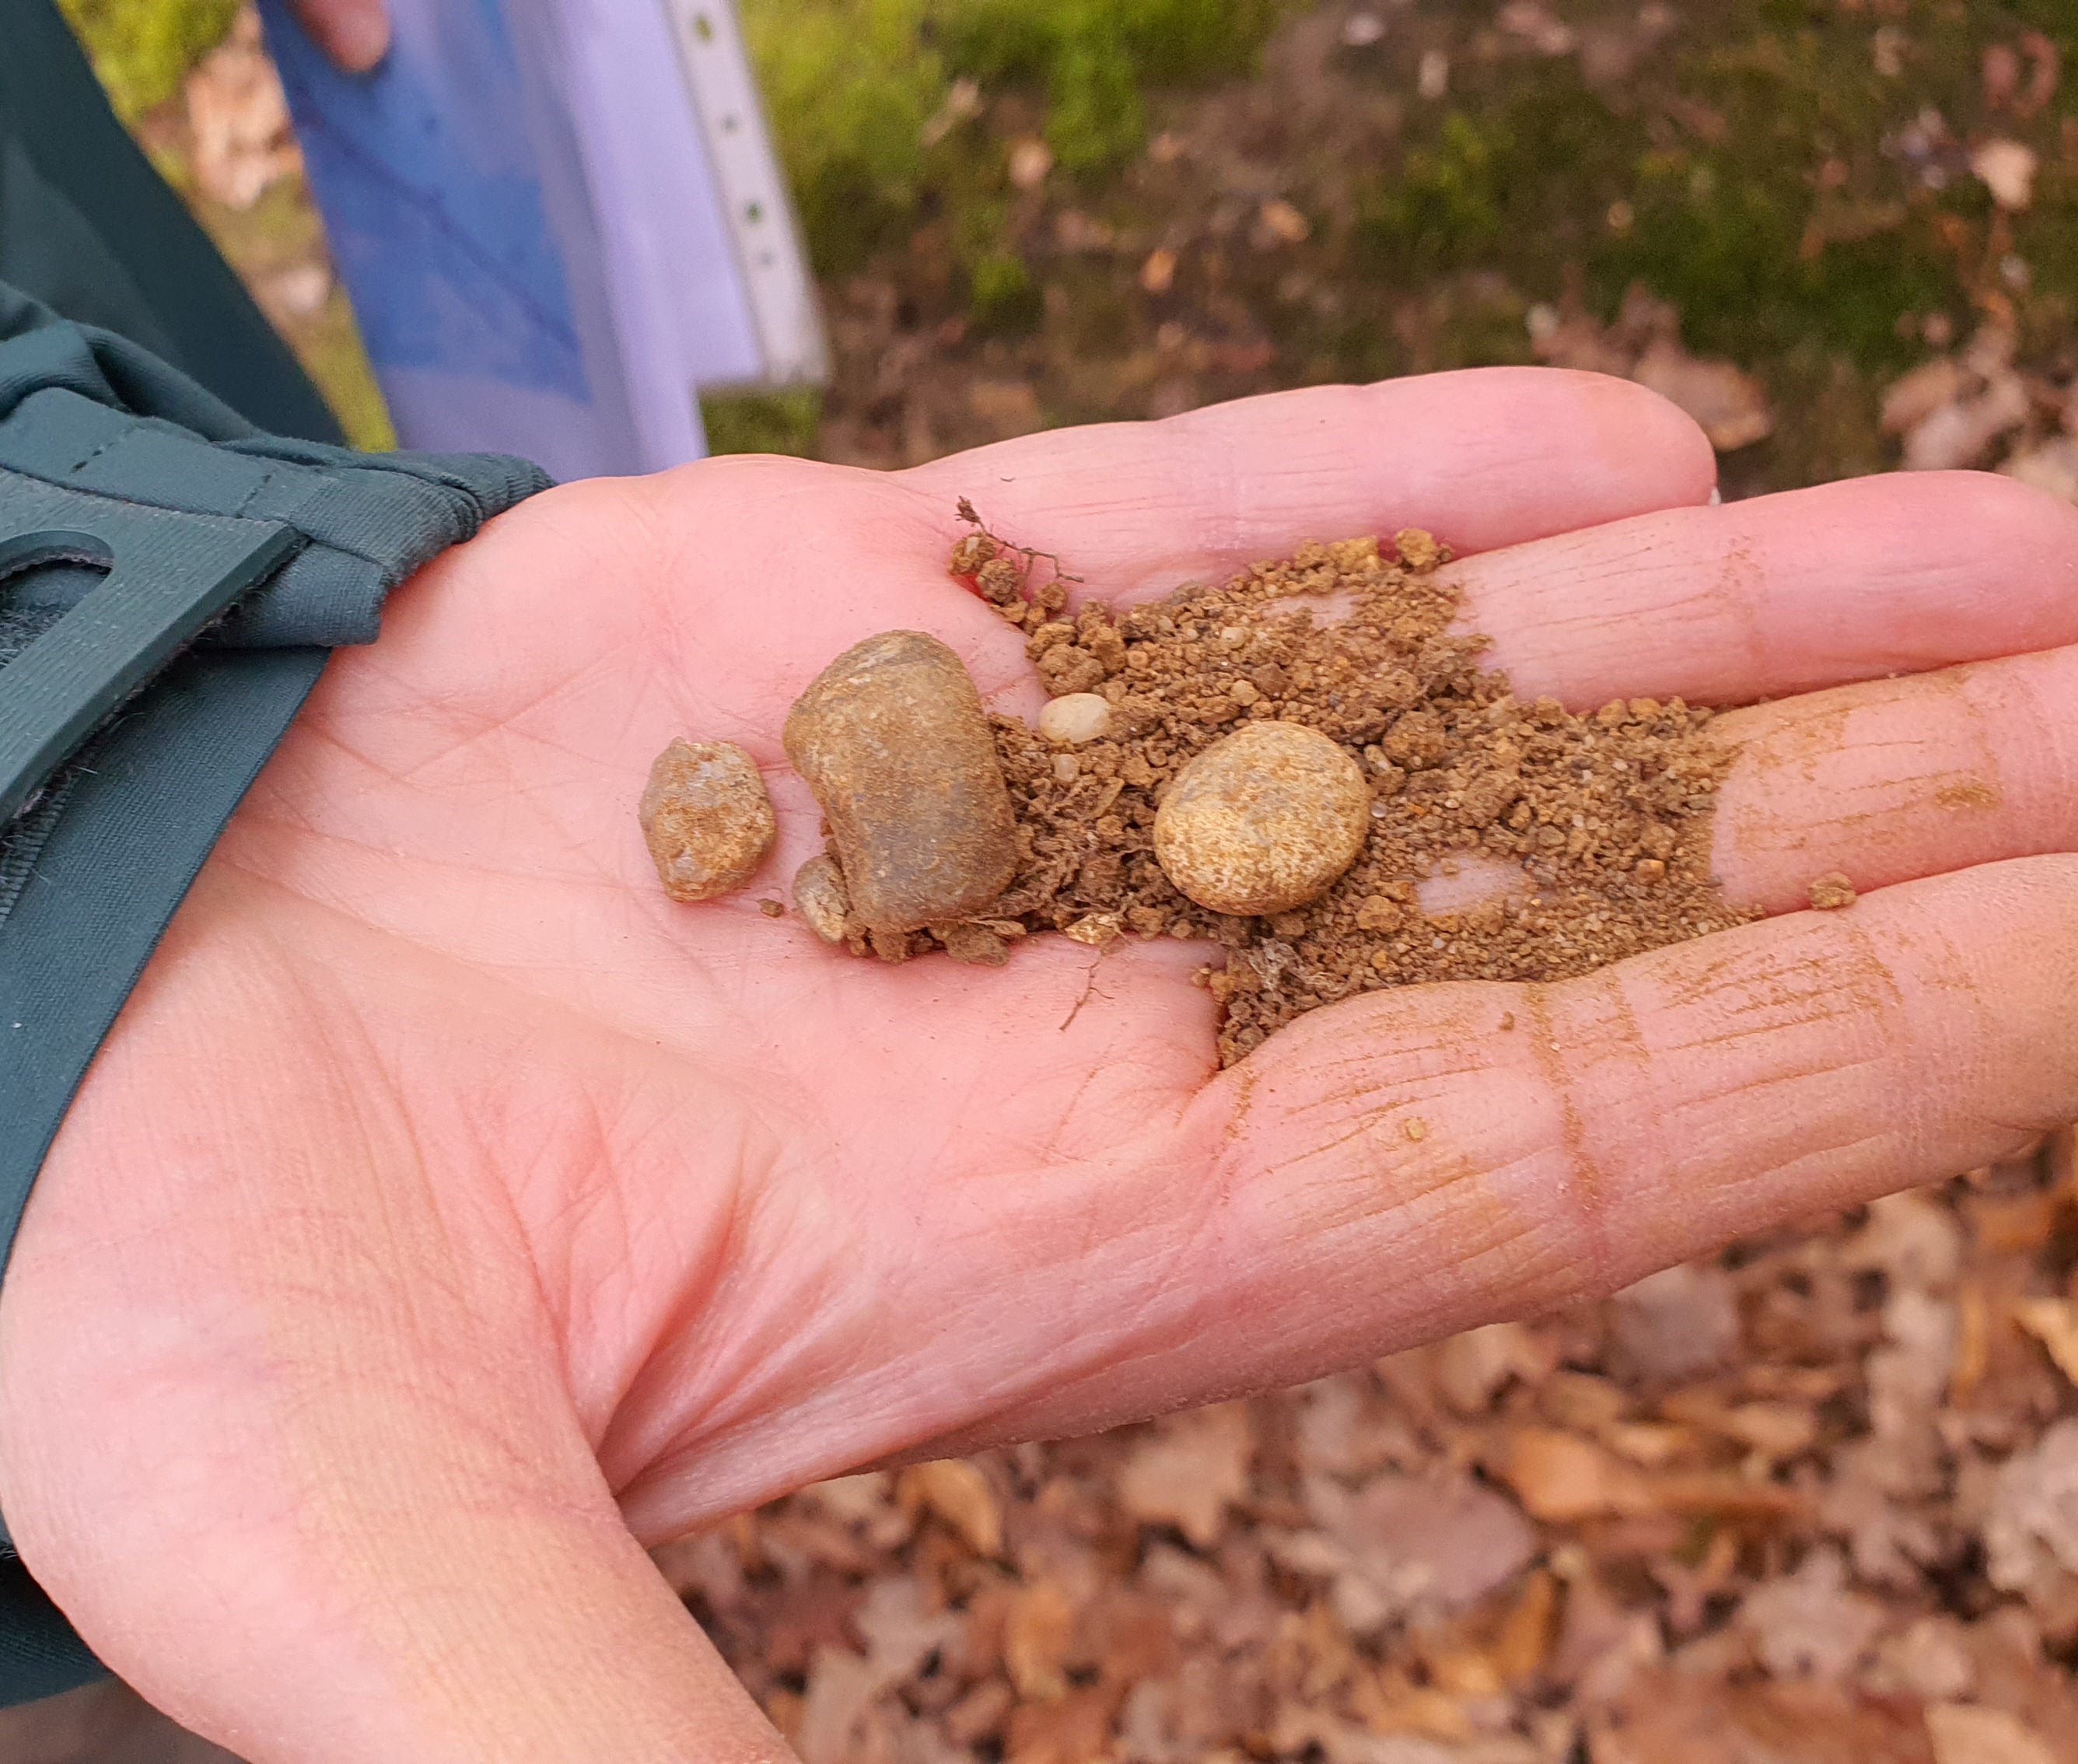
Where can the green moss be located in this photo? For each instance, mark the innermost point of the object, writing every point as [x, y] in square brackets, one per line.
[1094, 117]
[1003, 298]
[1445, 208]
[849, 85]
[141, 48]
[777, 423]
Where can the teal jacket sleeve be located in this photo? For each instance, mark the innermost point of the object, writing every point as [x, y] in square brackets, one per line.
[207, 569]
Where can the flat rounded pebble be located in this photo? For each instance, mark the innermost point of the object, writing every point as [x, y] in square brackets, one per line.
[1263, 821]
[820, 898]
[706, 818]
[1076, 718]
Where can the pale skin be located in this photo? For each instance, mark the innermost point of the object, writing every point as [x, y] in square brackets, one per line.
[355, 34]
[451, 1214]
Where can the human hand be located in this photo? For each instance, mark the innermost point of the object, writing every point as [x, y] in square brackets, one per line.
[354, 34]
[450, 1213]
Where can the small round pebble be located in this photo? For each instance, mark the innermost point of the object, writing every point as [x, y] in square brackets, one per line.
[820, 898]
[1264, 820]
[706, 818]
[1075, 718]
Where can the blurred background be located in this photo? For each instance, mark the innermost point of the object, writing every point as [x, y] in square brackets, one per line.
[1816, 1499]
[1032, 212]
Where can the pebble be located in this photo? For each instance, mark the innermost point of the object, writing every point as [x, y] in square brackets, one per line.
[1263, 821]
[1075, 718]
[892, 740]
[705, 818]
[820, 898]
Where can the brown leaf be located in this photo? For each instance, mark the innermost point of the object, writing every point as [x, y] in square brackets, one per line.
[1075, 1729]
[2031, 1531]
[1561, 1478]
[1810, 1625]
[1036, 1638]
[2054, 1322]
[1726, 401]
[1462, 1539]
[1472, 1368]
[1963, 1733]
[1678, 1322]
[2007, 169]
[1684, 1718]
[956, 1492]
[1918, 394]
[842, 1687]
[1525, 1638]
[1190, 1471]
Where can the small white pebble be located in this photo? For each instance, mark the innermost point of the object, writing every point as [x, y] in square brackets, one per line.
[1067, 768]
[1075, 718]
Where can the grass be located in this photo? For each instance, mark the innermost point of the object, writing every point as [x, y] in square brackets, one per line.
[140, 48]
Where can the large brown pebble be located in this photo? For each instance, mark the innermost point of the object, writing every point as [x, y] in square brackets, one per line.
[1263, 821]
[892, 739]
[706, 818]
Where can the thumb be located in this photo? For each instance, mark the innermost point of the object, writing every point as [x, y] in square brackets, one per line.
[355, 34]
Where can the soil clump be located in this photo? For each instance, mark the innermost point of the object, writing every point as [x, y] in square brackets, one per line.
[1507, 840]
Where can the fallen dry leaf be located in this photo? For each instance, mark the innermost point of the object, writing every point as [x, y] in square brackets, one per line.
[1727, 402]
[1075, 1730]
[2031, 1530]
[2007, 169]
[1036, 1639]
[1190, 1471]
[1963, 1733]
[1472, 1368]
[1684, 1319]
[1811, 1624]
[2054, 1322]
[1561, 1477]
[1918, 394]
[842, 1687]
[957, 1493]
[1961, 435]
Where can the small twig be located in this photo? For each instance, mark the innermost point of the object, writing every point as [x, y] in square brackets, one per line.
[1030, 554]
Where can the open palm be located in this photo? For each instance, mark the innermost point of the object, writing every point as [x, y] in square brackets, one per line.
[451, 1213]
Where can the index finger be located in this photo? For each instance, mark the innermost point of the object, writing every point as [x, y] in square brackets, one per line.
[1486, 457]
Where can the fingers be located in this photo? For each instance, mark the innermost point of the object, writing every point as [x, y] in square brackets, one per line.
[1894, 779]
[354, 34]
[1492, 457]
[1400, 1166]
[1848, 581]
